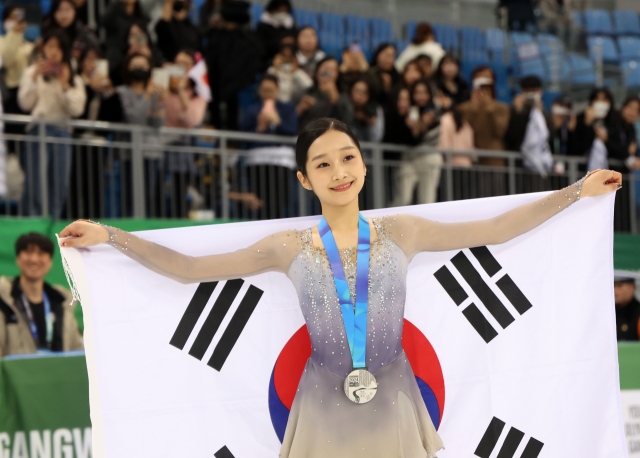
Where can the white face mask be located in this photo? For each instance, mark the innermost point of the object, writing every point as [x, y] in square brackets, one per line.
[601, 109]
[282, 17]
[9, 25]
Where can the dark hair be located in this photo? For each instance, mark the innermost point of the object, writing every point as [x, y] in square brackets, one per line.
[320, 63]
[143, 28]
[630, 99]
[420, 57]
[85, 52]
[424, 82]
[563, 100]
[404, 70]
[269, 77]
[50, 19]
[8, 10]
[314, 130]
[447, 58]
[33, 238]
[301, 29]
[601, 90]
[126, 74]
[381, 47]
[275, 4]
[189, 52]
[65, 47]
[530, 82]
[424, 31]
[482, 68]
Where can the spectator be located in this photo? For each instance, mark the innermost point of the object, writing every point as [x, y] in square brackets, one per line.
[211, 15]
[175, 30]
[487, 117]
[323, 99]
[140, 102]
[520, 14]
[292, 80]
[353, 67]
[456, 134]
[556, 19]
[529, 127]
[97, 85]
[382, 73]
[400, 128]
[411, 74]
[564, 127]
[627, 307]
[63, 16]
[35, 315]
[309, 52]
[275, 23]
[425, 64]
[50, 90]
[271, 168]
[82, 11]
[365, 116]
[138, 42]
[234, 57]
[630, 112]
[449, 81]
[117, 21]
[15, 52]
[423, 43]
[422, 167]
[601, 133]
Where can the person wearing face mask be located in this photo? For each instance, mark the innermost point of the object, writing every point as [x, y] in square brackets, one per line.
[140, 101]
[382, 73]
[275, 23]
[292, 80]
[174, 30]
[14, 52]
[601, 132]
[529, 128]
[50, 89]
[308, 50]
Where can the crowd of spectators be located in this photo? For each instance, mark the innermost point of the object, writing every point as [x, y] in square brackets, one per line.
[415, 97]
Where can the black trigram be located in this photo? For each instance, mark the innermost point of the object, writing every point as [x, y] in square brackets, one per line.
[510, 444]
[211, 324]
[488, 298]
[224, 452]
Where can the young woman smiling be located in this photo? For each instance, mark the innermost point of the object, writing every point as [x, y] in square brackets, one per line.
[357, 396]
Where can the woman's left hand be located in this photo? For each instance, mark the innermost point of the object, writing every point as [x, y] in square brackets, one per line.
[601, 182]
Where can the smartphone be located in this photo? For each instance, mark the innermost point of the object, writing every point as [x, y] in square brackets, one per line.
[355, 47]
[160, 77]
[414, 113]
[53, 68]
[102, 67]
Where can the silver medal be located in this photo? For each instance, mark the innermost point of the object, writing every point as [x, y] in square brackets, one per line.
[360, 386]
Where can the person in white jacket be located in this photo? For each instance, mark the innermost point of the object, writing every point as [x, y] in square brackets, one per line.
[423, 43]
[49, 90]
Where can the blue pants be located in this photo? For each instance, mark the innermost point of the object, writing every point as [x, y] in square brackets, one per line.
[58, 166]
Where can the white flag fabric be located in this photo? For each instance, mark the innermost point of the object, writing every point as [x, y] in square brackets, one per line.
[513, 346]
[199, 74]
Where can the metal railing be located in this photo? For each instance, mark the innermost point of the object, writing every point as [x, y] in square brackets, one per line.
[104, 170]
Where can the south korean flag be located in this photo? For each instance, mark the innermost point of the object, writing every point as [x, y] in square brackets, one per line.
[513, 346]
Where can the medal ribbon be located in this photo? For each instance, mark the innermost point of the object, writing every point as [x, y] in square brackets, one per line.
[355, 321]
[32, 322]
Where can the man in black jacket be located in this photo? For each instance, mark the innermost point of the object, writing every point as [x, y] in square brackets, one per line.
[627, 307]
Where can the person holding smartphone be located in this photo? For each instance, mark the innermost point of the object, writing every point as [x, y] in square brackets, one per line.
[354, 65]
[63, 15]
[50, 90]
[292, 80]
[366, 117]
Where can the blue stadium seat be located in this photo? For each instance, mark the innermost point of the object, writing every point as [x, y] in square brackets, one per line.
[256, 12]
[410, 30]
[607, 45]
[32, 33]
[331, 43]
[305, 18]
[598, 22]
[629, 48]
[521, 37]
[401, 45]
[45, 6]
[380, 31]
[356, 28]
[447, 36]
[631, 70]
[473, 41]
[534, 67]
[626, 22]
[582, 70]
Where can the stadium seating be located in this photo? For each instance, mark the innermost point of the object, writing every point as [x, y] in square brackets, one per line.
[626, 22]
[496, 40]
[447, 36]
[305, 18]
[473, 42]
[631, 71]
[380, 32]
[598, 22]
[581, 69]
[629, 48]
[604, 46]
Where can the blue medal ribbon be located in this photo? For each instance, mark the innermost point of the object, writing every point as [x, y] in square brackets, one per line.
[355, 321]
[32, 322]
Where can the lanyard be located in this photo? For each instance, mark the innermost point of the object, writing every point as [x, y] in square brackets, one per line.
[32, 322]
[355, 321]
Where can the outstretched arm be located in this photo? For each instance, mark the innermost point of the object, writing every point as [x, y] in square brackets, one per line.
[414, 234]
[273, 253]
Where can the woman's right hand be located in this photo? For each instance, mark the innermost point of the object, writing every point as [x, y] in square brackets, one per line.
[84, 233]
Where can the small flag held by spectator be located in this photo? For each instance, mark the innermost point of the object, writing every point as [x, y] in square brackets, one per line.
[200, 76]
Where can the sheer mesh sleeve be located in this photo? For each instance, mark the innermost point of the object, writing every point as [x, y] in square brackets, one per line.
[414, 234]
[273, 253]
